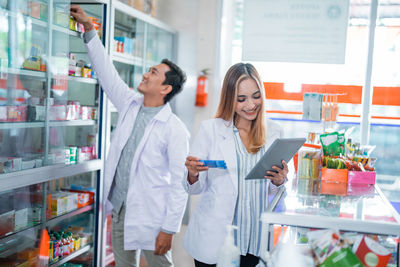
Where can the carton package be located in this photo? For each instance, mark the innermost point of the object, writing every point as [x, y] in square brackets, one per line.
[35, 9]
[7, 222]
[58, 204]
[344, 258]
[359, 177]
[36, 113]
[21, 219]
[3, 113]
[85, 198]
[28, 164]
[17, 113]
[72, 201]
[370, 252]
[11, 164]
[334, 175]
[58, 113]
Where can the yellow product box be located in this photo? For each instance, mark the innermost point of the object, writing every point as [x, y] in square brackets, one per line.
[58, 204]
[86, 72]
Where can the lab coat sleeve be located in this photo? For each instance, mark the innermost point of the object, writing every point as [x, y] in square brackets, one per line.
[273, 189]
[116, 89]
[199, 149]
[178, 148]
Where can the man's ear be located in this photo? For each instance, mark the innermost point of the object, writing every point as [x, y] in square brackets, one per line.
[166, 90]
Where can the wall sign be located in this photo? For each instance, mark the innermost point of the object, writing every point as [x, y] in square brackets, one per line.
[308, 31]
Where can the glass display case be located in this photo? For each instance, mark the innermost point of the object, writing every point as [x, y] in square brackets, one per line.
[50, 142]
[137, 42]
[308, 204]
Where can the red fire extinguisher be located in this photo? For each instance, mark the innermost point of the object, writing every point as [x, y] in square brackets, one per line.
[202, 89]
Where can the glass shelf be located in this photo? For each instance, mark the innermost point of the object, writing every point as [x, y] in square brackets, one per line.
[83, 79]
[60, 218]
[25, 72]
[358, 208]
[67, 31]
[71, 256]
[127, 59]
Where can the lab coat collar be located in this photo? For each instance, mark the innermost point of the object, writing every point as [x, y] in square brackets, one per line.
[164, 113]
[228, 149]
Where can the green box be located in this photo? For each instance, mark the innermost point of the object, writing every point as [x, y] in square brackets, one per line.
[343, 258]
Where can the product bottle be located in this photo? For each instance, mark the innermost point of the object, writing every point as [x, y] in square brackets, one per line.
[229, 254]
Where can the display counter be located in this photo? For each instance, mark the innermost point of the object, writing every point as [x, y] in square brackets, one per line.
[312, 204]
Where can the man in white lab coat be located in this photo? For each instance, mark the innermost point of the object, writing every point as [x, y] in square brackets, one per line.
[145, 164]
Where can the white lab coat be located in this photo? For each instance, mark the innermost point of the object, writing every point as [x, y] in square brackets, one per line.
[156, 198]
[219, 188]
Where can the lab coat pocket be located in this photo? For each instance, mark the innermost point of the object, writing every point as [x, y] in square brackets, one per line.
[220, 181]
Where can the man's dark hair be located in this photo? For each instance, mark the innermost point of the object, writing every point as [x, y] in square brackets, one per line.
[174, 77]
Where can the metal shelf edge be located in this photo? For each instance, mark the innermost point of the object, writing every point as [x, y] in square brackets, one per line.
[313, 221]
[43, 174]
[72, 123]
[70, 257]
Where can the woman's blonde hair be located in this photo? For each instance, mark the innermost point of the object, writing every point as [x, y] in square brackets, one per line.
[226, 109]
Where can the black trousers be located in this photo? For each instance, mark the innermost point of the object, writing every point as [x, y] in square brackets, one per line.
[245, 261]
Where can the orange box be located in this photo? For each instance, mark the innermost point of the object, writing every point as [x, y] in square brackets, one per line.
[85, 198]
[333, 188]
[334, 175]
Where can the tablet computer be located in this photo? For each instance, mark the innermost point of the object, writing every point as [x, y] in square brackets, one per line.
[281, 149]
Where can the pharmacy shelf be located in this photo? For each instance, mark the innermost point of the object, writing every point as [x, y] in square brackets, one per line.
[60, 218]
[82, 79]
[126, 9]
[20, 125]
[30, 73]
[90, 1]
[70, 257]
[67, 31]
[37, 22]
[72, 123]
[34, 21]
[24, 125]
[43, 174]
[23, 232]
[127, 59]
[18, 244]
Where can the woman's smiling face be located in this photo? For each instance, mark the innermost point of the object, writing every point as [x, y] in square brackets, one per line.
[248, 101]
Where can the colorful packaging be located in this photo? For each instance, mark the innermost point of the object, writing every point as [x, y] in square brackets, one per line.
[309, 162]
[343, 258]
[330, 144]
[371, 253]
[214, 163]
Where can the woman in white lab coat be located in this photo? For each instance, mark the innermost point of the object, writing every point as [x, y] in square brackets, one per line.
[239, 135]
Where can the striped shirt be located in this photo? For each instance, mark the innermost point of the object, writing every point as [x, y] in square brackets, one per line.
[252, 200]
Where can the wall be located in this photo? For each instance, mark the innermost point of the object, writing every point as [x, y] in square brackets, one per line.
[197, 42]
